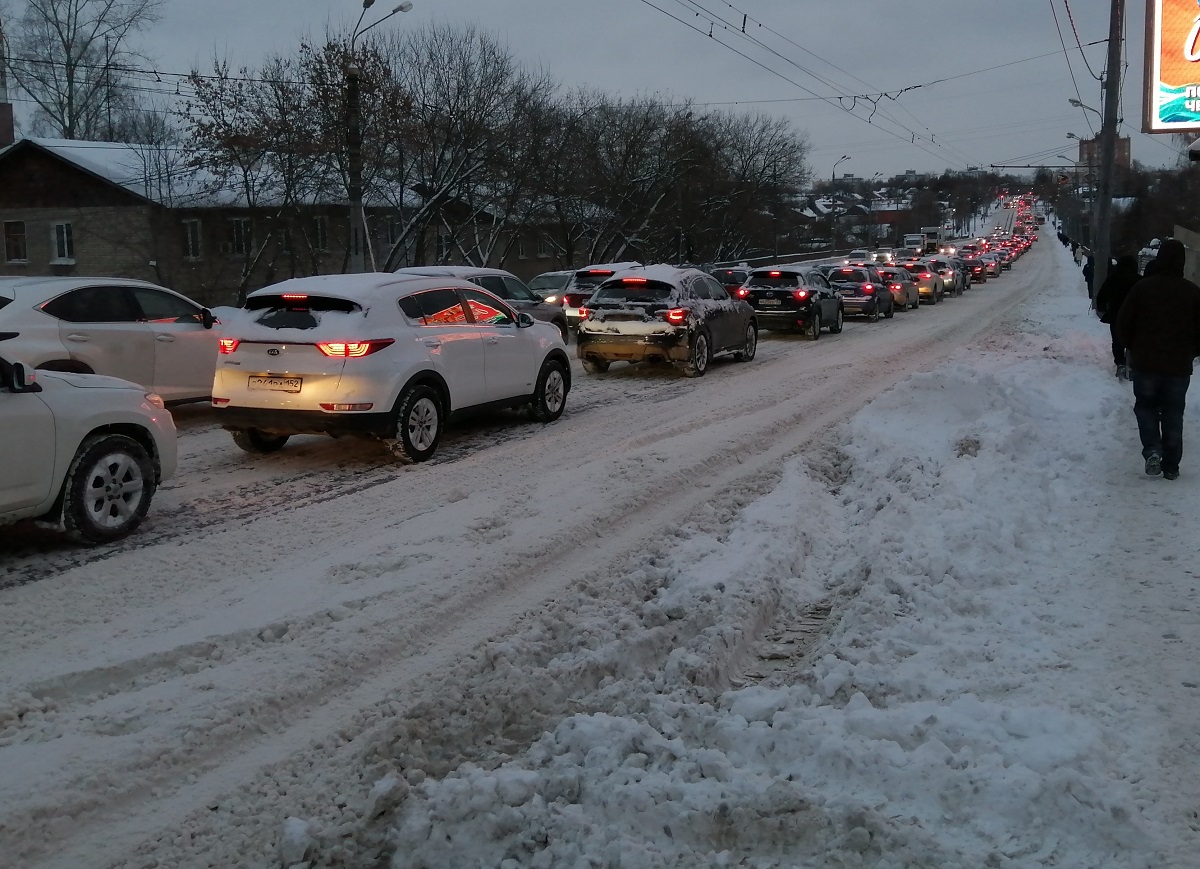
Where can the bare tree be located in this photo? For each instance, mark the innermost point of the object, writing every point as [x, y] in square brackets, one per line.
[72, 56]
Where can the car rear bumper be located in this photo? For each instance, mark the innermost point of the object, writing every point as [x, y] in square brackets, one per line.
[860, 306]
[306, 421]
[633, 348]
[780, 320]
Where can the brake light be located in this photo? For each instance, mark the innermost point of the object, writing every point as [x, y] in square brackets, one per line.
[584, 313]
[219, 402]
[774, 274]
[676, 316]
[338, 408]
[800, 295]
[295, 297]
[353, 349]
[600, 272]
[227, 345]
[868, 288]
[742, 292]
[633, 280]
[926, 276]
[895, 287]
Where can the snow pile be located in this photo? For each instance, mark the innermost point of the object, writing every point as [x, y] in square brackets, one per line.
[943, 720]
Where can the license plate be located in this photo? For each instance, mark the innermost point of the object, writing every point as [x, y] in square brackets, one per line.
[769, 302]
[276, 384]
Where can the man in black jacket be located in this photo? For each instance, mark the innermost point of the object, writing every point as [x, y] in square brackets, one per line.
[1160, 325]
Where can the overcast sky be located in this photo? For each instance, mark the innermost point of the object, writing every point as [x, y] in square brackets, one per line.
[997, 106]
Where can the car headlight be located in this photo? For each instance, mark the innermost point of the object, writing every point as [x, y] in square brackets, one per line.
[156, 399]
[550, 300]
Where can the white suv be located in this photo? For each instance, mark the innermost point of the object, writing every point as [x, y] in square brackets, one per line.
[81, 451]
[386, 355]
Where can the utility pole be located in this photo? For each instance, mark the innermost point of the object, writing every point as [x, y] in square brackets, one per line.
[7, 125]
[1108, 148]
[354, 165]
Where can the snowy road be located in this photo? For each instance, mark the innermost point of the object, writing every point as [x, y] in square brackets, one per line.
[286, 629]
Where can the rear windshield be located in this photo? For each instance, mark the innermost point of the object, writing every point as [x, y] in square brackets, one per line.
[4, 300]
[894, 274]
[549, 282]
[774, 279]
[300, 312]
[618, 291]
[730, 276]
[857, 276]
[587, 280]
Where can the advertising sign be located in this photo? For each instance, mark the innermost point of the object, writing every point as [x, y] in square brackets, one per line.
[1172, 81]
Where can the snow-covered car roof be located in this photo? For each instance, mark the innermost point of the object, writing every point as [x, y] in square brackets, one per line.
[364, 286]
[662, 273]
[452, 271]
[35, 289]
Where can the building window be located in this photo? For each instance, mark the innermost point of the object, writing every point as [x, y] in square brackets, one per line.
[321, 232]
[442, 248]
[64, 244]
[191, 239]
[14, 242]
[521, 252]
[393, 230]
[543, 247]
[239, 236]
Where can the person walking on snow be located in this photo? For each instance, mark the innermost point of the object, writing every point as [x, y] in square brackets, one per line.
[1160, 324]
[1089, 269]
[1108, 304]
[1076, 252]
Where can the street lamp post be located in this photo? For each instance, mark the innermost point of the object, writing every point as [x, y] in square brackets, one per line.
[833, 203]
[354, 167]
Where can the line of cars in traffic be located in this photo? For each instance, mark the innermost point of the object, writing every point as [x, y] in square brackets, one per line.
[88, 365]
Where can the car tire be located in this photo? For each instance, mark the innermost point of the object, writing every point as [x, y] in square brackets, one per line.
[814, 327]
[563, 330]
[550, 392]
[700, 354]
[873, 317]
[254, 440]
[749, 345]
[596, 366]
[891, 311]
[108, 488]
[839, 322]
[419, 423]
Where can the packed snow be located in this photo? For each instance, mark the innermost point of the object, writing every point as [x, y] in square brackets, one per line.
[957, 629]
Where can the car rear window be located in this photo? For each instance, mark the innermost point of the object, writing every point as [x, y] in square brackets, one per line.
[849, 275]
[730, 276]
[775, 279]
[586, 280]
[297, 310]
[549, 282]
[642, 291]
[4, 300]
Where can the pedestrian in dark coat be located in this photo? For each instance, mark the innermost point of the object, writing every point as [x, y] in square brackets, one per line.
[1109, 299]
[1089, 270]
[1160, 324]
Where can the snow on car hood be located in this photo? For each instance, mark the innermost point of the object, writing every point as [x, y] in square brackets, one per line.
[88, 381]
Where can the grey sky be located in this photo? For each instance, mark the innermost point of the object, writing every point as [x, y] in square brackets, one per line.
[1017, 113]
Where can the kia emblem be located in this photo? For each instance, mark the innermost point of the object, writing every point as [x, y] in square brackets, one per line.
[273, 352]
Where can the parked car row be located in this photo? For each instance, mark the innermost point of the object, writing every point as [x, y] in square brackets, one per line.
[390, 356]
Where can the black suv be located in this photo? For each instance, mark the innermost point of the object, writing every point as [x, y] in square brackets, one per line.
[793, 298]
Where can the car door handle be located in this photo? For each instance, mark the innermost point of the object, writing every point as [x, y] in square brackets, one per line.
[166, 339]
[431, 342]
[75, 336]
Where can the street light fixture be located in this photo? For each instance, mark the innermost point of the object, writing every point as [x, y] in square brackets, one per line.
[1077, 104]
[833, 204]
[358, 218]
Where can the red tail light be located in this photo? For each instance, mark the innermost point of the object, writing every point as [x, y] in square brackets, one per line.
[742, 292]
[584, 313]
[895, 287]
[676, 316]
[926, 276]
[295, 297]
[227, 345]
[633, 280]
[774, 274]
[353, 349]
[868, 288]
[800, 295]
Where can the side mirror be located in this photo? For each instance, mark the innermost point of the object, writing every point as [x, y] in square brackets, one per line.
[24, 379]
[524, 320]
[207, 318]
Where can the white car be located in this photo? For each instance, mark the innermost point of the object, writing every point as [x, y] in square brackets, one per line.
[80, 451]
[385, 355]
[133, 330]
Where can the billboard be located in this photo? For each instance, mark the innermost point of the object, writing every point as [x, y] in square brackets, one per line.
[1171, 96]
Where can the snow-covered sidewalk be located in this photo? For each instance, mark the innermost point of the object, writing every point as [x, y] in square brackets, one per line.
[980, 649]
